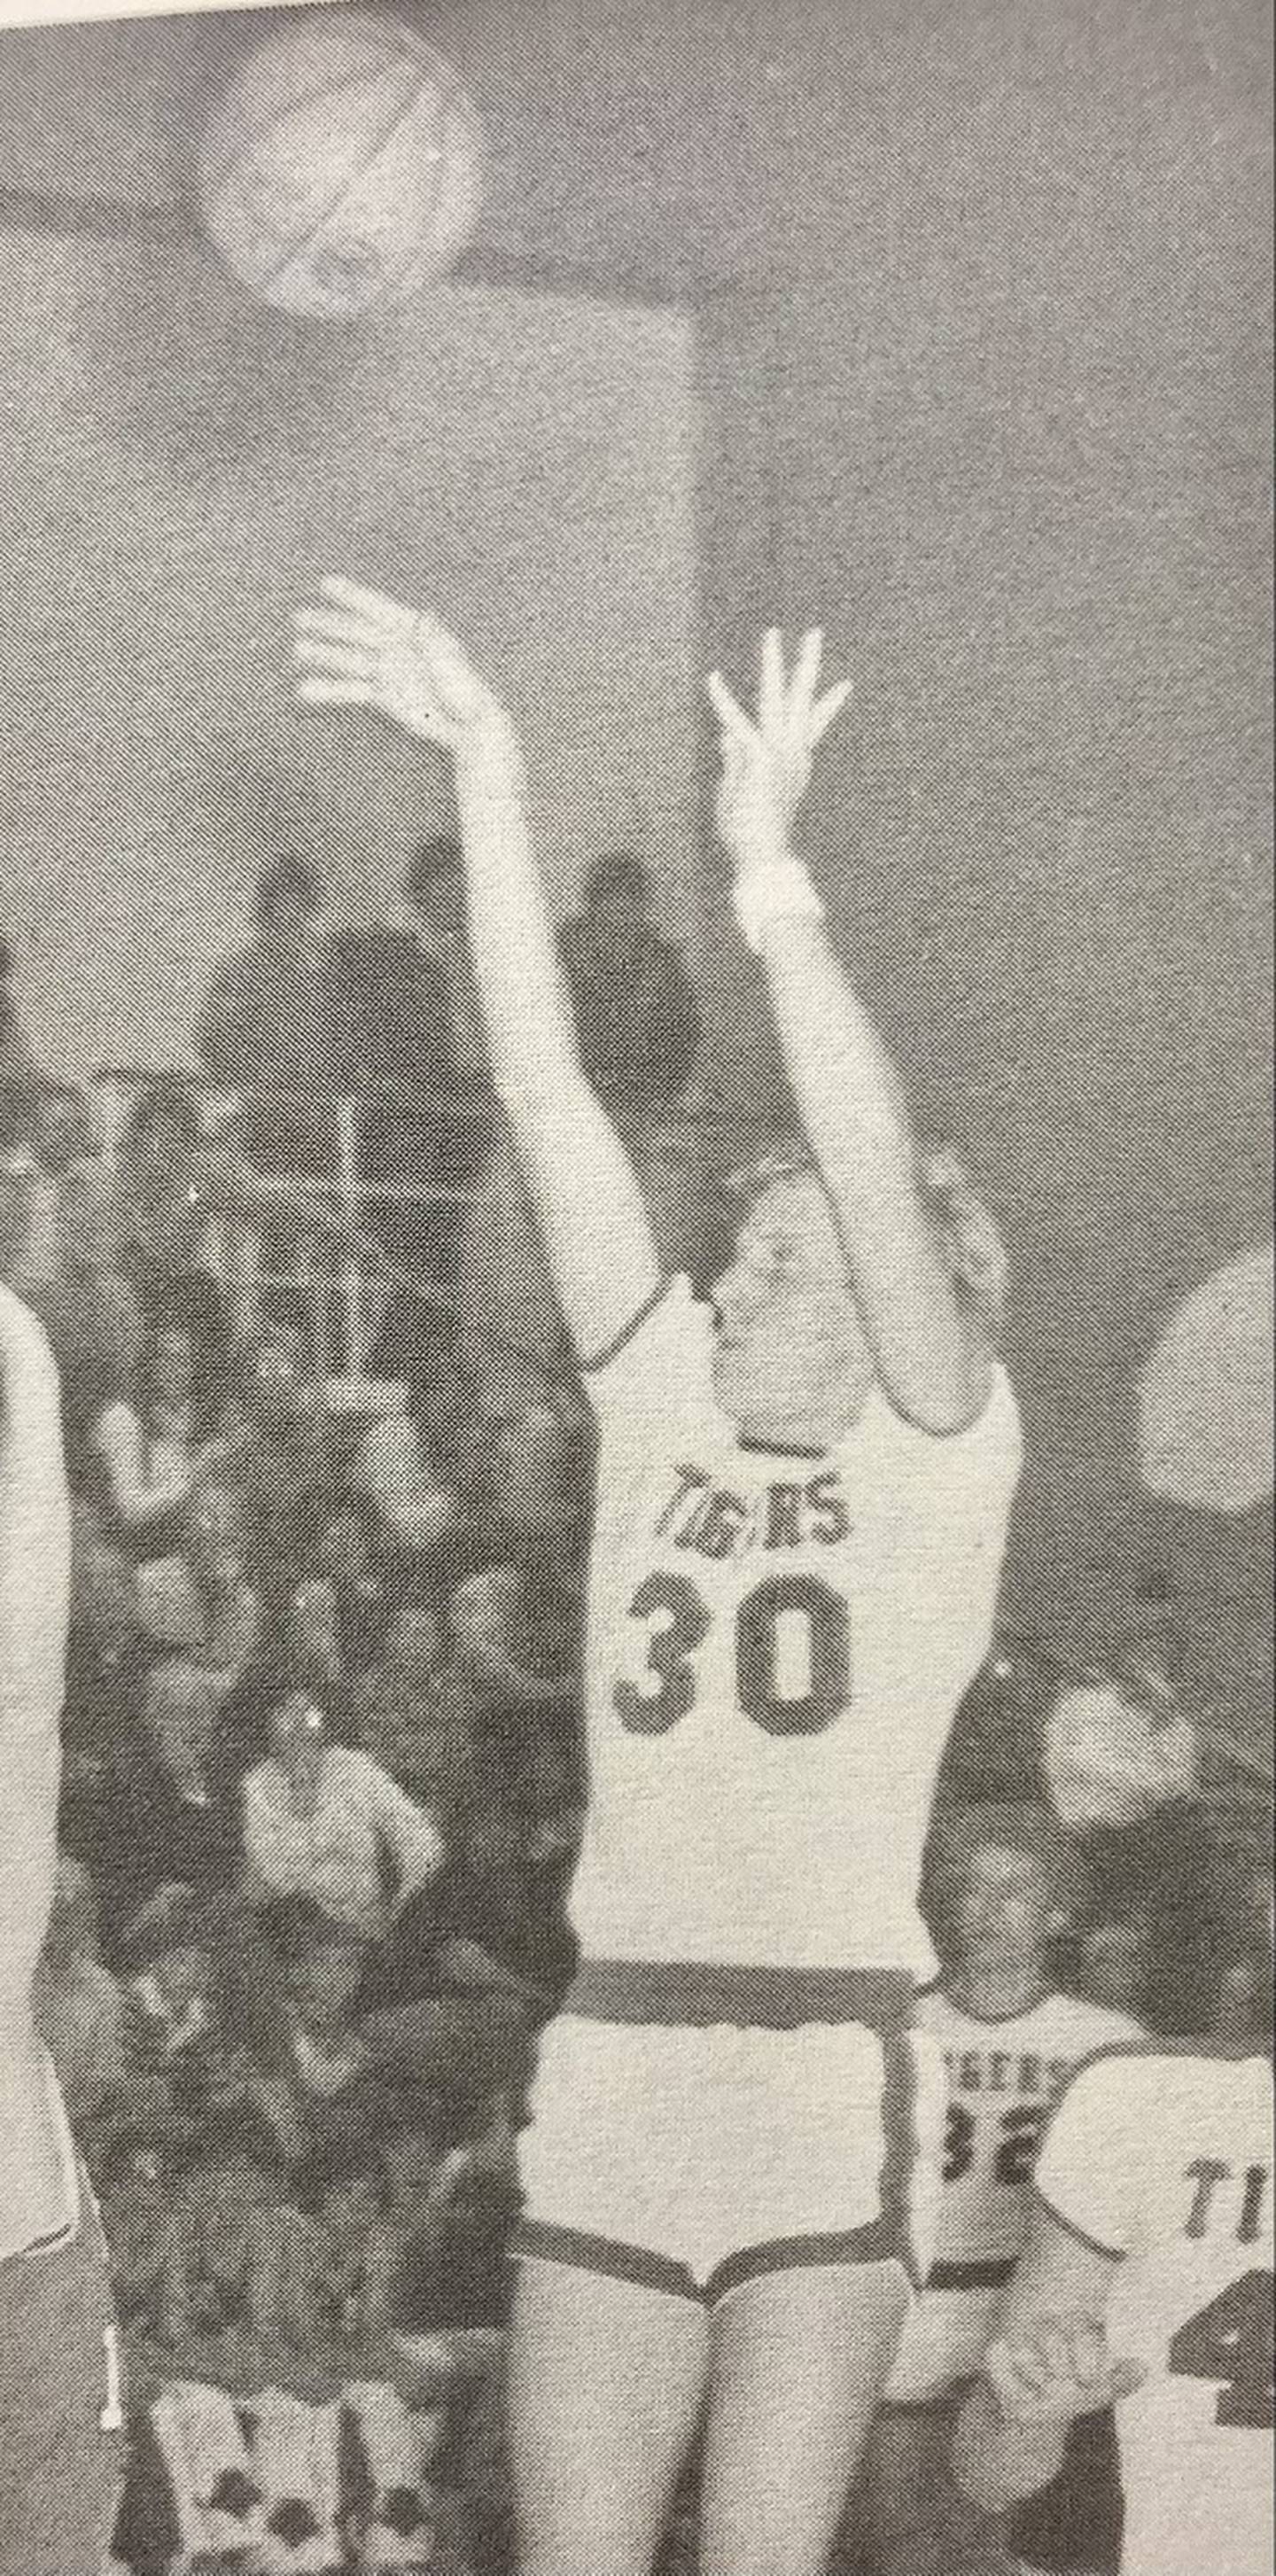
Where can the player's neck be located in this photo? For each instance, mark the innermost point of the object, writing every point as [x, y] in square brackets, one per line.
[998, 1994]
[806, 1434]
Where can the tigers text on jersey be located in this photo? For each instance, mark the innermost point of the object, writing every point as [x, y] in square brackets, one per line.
[1166, 2161]
[1002, 2078]
[777, 1647]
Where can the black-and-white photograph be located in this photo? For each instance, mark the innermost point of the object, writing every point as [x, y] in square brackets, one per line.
[636, 1289]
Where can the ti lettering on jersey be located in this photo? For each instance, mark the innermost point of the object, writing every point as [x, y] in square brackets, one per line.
[1211, 2201]
[709, 1520]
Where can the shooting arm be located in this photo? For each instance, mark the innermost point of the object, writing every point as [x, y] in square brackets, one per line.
[857, 1126]
[362, 649]
[583, 1186]
[848, 1096]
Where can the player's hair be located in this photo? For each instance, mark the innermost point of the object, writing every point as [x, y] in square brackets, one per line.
[1010, 1825]
[971, 1242]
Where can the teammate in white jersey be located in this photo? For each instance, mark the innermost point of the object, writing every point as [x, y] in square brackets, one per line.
[59, 2398]
[1010, 2041]
[1148, 2280]
[802, 1504]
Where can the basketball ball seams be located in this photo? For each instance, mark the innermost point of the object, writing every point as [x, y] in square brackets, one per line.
[407, 147]
[248, 163]
[300, 250]
[250, 135]
[451, 177]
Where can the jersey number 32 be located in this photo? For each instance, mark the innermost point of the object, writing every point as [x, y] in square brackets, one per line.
[792, 1654]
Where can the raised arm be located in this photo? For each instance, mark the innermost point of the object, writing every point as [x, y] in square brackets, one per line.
[934, 1364]
[362, 649]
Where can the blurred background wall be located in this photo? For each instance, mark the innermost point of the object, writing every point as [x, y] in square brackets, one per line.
[945, 325]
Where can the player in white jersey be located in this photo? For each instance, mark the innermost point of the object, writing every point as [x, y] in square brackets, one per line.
[1010, 2040]
[802, 1504]
[1147, 2280]
[59, 2400]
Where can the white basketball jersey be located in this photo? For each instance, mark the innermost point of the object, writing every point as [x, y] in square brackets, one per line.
[1003, 2077]
[777, 1647]
[1166, 2161]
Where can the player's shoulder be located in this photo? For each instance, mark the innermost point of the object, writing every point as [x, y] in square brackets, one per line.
[933, 2010]
[1087, 2030]
[1151, 2085]
[990, 1432]
[664, 1351]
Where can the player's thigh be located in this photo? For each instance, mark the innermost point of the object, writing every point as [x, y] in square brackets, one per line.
[60, 2439]
[606, 2379]
[799, 2360]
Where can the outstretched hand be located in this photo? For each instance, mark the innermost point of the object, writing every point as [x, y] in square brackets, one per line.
[766, 761]
[363, 649]
[1056, 2369]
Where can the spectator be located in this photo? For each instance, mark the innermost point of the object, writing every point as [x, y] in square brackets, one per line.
[162, 1212]
[418, 1466]
[223, 2288]
[286, 1467]
[357, 2057]
[141, 2197]
[516, 1630]
[162, 1819]
[156, 1442]
[435, 888]
[638, 1024]
[204, 1603]
[264, 1028]
[411, 1041]
[80, 2010]
[172, 1991]
[66, 1233]
[348, 1553]
[417, 1715]
[323, 1819]
[324, 1965]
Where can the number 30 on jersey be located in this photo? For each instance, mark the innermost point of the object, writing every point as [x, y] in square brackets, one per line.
[792, 1654]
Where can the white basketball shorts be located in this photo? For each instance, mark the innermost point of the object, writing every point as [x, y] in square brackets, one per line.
[694, 2127]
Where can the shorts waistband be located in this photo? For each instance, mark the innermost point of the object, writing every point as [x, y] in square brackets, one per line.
[702, 1993]
[991, 2275]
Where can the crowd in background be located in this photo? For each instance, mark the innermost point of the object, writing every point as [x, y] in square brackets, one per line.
[323, 1775]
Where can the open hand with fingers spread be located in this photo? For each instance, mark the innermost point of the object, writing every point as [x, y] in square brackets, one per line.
[1057, 2368]
[362, 649]
[766, 762]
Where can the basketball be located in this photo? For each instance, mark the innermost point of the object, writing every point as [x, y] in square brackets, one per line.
[341, 172]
